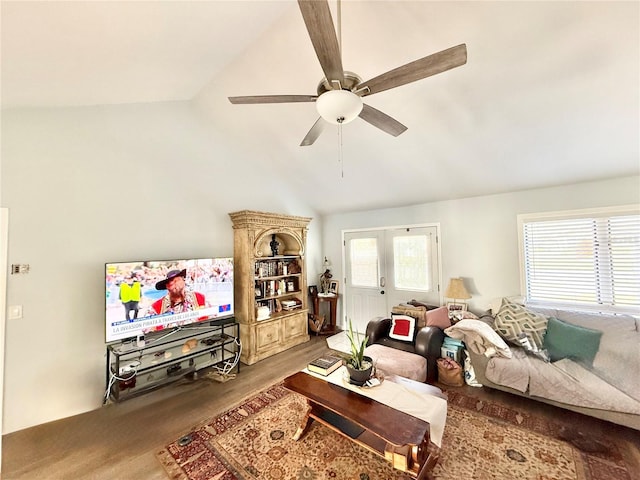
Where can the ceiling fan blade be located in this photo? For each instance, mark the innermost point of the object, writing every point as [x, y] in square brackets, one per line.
[314, 133]
[381, 120]
[273, 99]
[317, 18]
[416, 70]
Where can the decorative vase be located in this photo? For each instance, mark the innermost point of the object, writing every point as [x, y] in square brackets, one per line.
[359, 377]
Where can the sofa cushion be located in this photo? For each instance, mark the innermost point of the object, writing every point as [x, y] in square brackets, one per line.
[438, 318]
[398, 362]
[402, 327]
[513, 319]
[565, 340]
[605, 322]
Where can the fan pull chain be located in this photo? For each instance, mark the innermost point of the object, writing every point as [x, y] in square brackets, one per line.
[340, 159]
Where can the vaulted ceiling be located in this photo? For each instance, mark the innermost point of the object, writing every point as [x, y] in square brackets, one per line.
[549, 94]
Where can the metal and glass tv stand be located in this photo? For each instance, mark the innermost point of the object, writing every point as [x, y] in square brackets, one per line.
[134, 368]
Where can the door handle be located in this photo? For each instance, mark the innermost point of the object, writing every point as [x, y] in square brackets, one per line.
[382, 282]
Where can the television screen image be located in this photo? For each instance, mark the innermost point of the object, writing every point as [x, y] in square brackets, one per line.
[144, 297]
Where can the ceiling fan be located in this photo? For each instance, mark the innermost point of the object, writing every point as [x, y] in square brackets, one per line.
[339, 94]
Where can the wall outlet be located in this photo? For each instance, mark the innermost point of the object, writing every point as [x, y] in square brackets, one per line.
[15, 311]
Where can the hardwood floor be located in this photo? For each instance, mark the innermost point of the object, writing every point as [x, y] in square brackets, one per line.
[118, 441]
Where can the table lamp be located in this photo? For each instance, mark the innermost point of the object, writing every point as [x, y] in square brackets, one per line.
[456, 290]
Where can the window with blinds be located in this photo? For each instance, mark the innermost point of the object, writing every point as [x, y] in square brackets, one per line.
[589, 260]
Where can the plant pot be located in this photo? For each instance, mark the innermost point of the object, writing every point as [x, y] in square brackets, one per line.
[359, 377]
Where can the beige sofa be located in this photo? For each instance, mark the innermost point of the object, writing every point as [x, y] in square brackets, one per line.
[606, 388]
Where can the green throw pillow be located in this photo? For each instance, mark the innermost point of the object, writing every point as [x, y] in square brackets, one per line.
[565, 340]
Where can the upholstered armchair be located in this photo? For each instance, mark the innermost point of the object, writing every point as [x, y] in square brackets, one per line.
[426, 341]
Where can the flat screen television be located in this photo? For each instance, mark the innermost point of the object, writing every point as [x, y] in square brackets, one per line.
[151, 296]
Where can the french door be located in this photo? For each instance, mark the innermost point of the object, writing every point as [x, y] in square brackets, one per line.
[386, 267]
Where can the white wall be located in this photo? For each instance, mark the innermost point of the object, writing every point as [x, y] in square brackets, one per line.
[92, 185]
[86, 186]
[479, 239]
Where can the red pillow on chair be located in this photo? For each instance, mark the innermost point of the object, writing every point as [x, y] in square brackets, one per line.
[402, 327]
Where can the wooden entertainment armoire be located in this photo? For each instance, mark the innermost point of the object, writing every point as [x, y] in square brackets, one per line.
[270, 282]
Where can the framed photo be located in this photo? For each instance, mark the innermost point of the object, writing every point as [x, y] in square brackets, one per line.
[457, 307]
[313, 290]
[333, 287]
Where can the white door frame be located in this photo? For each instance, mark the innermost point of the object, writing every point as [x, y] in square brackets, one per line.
[4, 239]
[435, 225]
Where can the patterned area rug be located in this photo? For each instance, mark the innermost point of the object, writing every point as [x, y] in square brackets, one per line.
[482, 441]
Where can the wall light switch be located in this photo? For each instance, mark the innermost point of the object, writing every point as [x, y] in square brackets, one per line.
[20, 268]
[15, 311]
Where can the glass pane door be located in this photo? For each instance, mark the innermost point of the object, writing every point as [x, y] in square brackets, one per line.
[364, 253]
[387, 267]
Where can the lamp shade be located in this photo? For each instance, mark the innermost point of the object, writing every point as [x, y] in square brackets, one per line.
[456, 290]
[339, 106]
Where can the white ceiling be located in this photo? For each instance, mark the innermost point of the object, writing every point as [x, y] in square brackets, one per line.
[549, 94]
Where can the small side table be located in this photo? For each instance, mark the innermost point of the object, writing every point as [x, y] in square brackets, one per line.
[330, 327]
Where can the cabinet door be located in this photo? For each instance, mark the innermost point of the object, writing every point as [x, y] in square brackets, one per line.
[295, 325]
[268, 335]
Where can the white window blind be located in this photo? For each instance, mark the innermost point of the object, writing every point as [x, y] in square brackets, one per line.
[592, 262]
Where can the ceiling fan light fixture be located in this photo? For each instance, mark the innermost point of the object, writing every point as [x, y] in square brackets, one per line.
[339, 106]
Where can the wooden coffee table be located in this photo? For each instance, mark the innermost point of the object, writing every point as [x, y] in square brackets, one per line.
[400, 438]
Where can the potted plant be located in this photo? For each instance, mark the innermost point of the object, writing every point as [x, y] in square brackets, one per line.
[358, 365]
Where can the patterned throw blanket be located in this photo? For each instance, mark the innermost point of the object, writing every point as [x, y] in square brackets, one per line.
[563, 381]
[480, 338]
